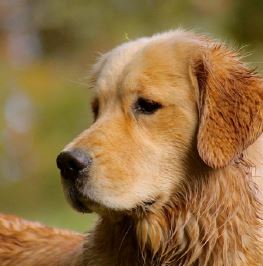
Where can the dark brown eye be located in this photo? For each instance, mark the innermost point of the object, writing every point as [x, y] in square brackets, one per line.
[95, 108]
[147, 107]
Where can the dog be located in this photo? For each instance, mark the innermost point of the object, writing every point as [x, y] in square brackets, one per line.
[170, 164]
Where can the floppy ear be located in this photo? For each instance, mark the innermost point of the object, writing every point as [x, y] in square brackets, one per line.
[230, 105]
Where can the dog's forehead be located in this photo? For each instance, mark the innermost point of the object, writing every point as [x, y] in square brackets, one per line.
[110, 66]
[116, 64]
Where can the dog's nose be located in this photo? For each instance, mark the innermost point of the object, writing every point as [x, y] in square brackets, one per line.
[72, 162]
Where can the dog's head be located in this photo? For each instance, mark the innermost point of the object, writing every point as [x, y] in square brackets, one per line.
[158, 102]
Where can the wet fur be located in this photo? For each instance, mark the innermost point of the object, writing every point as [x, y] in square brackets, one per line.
[212, 214]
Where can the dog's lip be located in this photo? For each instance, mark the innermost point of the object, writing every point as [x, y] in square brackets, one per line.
[78, 201]
[85, 204]
[88, 205]
[81, 207]
[92, 205]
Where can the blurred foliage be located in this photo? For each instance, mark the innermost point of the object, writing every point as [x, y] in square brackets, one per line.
[46, 49]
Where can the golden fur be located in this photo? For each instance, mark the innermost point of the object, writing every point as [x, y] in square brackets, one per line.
[24, 243]
[176, 187]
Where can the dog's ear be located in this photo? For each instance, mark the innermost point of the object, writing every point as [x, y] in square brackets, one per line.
[230, 105]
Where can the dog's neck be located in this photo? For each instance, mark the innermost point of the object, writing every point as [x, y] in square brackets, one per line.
[216, 221]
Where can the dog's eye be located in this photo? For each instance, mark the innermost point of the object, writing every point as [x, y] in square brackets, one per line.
[145, 106]
[95, 108]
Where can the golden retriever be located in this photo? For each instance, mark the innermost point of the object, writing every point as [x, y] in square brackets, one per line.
[167, 164]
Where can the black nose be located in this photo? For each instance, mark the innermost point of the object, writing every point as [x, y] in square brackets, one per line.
[72, 162]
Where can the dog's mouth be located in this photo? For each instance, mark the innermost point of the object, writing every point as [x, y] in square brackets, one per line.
[83, 203]
[86, 205]
[78, 201]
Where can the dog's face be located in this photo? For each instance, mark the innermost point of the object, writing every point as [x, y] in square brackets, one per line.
[146, 117]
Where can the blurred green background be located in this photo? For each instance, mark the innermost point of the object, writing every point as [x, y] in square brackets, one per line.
[46, 50]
